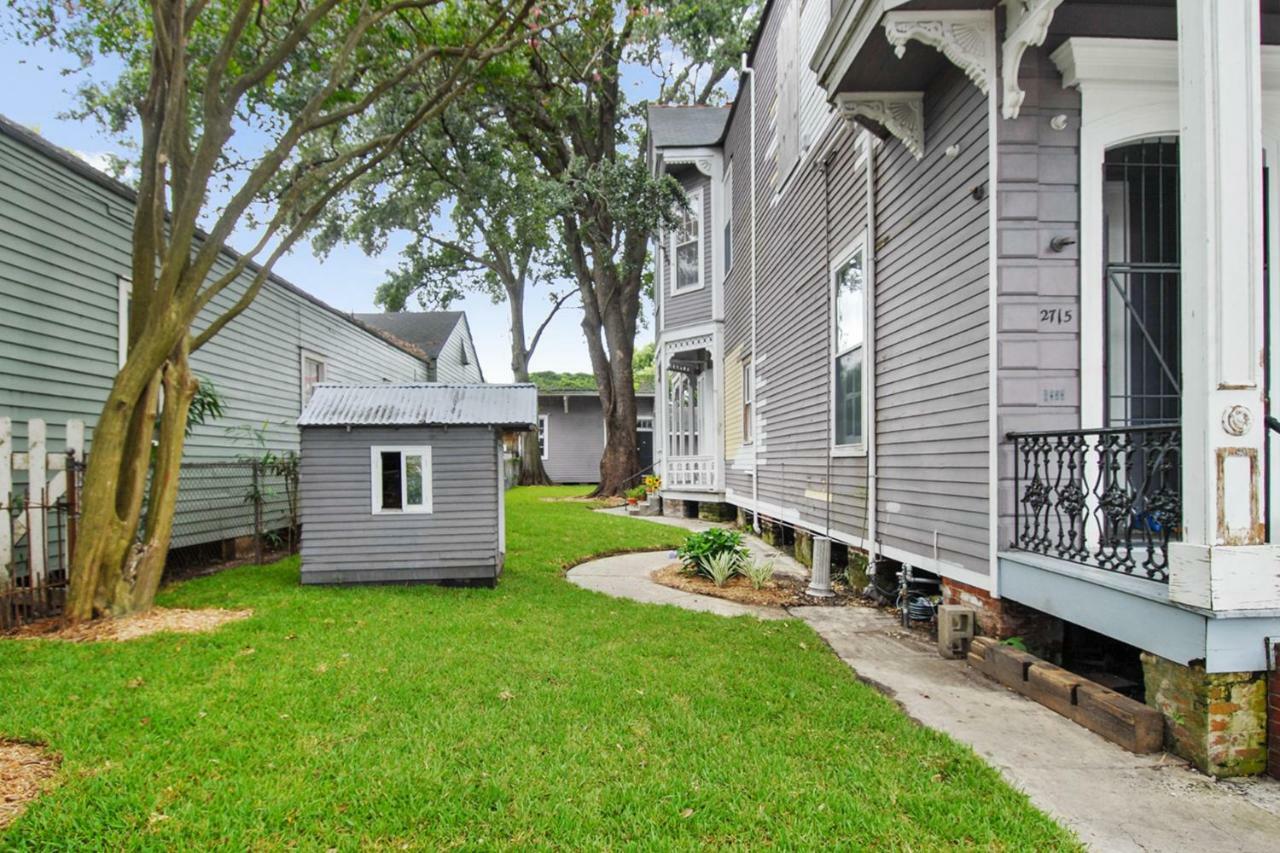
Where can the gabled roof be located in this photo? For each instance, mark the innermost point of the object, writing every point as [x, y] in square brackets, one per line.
[422, 404]
[426, 330]
[686, 127]
[74, 164]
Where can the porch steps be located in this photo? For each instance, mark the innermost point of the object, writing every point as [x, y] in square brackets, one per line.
[1116, 717]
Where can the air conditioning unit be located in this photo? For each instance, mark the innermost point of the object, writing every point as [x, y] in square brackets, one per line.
[955, 630]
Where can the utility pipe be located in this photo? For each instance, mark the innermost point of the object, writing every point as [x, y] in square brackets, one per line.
[748, 72]
[869, 366]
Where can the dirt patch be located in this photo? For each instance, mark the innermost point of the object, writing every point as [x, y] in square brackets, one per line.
[781, 591]
[25, 770]
[594, 503]
[154, 621]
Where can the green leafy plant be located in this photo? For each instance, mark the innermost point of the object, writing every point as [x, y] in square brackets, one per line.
[759, 572]
[722, 567]
[696, 552]
[637, 493]
[1017, 643]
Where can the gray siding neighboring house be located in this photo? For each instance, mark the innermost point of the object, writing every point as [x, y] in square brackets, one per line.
[444, 336]
[64, 263]
[1020, 272]
[571, 425]
[403, 484]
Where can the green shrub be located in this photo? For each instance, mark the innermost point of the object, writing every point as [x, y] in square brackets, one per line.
[699, 548]
[721, 567]
[759, 572]
[637, 493]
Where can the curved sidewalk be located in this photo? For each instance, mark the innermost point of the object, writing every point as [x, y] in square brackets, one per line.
[627, 576]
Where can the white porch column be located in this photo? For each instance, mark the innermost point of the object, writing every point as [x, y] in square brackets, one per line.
[1221, 562]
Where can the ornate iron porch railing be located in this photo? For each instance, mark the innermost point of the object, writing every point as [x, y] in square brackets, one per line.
[1107, 498]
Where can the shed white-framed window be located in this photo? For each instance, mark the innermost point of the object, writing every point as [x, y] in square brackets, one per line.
[544, 427]
[848, 351]
[748, 394]
[727, 237]
[314, 371]
[124, 297]
[401, 477]
[686, 247]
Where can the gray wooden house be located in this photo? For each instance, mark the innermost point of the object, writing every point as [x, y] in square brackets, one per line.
[945, 297]
[404, 483]
[444, 337]
[571, 432]
[64, 290]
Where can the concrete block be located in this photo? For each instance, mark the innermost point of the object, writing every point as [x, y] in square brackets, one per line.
[1119, 719]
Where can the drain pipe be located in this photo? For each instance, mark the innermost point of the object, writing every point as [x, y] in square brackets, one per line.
[756, 439]
[869, 365]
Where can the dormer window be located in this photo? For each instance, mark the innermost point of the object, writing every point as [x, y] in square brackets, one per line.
[686, 246]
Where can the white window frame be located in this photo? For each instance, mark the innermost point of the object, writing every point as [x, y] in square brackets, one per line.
[375, 471]
[544, 432]
[124, 292]
[697, 211]
[748, 403]
[858, 246]
[305, 355]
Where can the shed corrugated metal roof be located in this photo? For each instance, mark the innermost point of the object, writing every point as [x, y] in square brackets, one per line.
[421, 405]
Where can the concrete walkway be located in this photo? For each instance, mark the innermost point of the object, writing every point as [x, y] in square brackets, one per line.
[627, 576]
[1112, 799]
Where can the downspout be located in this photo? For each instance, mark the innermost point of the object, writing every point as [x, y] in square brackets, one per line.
[872, 528]
[747, 71]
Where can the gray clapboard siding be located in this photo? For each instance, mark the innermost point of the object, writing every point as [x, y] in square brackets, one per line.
[450, 366]
[64, 243]
[575, 439]
[693, 307]
[344, 542]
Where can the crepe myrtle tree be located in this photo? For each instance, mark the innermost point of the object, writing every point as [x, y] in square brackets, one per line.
[480, 220]
[194, 73]
[569, 108]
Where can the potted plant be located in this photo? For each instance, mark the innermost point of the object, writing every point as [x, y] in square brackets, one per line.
[634, 495]
[652, 483]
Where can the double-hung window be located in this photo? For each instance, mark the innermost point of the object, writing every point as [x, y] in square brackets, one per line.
[313, 373]
[849, 350]
[686, 246]
[747, 393]
[401, 479]
[543, 425]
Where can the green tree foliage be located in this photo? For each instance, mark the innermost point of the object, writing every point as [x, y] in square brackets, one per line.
[243, 112]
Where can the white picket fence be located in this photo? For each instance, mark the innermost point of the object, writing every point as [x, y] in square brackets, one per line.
[46, 476]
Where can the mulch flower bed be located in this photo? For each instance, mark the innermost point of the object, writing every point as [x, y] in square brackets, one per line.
[782, 591]
[153, 621]
[25, 770]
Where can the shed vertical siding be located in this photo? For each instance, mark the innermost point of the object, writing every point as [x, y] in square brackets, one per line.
[64, 244]
[932, 304]
[344, 542]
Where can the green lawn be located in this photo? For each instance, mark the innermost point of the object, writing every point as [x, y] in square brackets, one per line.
[533, 714]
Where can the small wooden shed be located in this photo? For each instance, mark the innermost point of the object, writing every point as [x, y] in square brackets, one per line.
[403, 483]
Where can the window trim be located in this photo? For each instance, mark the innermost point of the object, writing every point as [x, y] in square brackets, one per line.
[544, 432]
[857, 246]
[698, 211]
[726, 229]
[124, 293]
[748, 403]
[304, 355]
[375, 477]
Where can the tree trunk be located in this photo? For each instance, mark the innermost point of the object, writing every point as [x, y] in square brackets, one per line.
[620, 462]
[532, 472]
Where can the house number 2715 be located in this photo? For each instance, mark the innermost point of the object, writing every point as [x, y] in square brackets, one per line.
[1056, 316]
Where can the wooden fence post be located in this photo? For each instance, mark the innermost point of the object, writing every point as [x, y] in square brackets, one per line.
[37, 482]
[6, 496]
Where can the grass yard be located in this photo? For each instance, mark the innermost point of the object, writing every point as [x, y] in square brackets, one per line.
[533, 714]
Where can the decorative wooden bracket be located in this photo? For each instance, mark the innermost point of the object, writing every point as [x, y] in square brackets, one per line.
[1026, 25]
[900, 113]
[966, 38]
[700, 162]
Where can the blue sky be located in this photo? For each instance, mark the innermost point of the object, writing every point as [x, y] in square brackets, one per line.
[35, 94]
